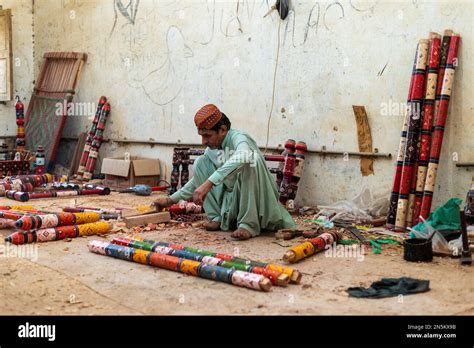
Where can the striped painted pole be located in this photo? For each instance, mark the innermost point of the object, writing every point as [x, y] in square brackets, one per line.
[392, 213]
[427, 123]
[277, 278]
[412, 133]
[311, 246]
[295, 275]
[26, 196]
[54, 220]
[58, 233]
[96, 143]
[190, 267]
[439, 125]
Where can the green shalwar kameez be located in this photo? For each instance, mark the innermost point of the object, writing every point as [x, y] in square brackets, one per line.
[245, 194]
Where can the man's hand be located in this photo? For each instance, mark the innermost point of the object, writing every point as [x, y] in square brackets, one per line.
[162, 202]
[201, 192]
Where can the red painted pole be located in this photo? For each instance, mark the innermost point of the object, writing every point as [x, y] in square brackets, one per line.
[427, 123]
[439, 125]
[412, 132]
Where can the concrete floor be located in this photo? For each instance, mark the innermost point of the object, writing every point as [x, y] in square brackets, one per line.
[68, 279]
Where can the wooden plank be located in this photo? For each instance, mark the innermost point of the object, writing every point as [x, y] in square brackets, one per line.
[155, 218]
[6, 56]
[364, 137]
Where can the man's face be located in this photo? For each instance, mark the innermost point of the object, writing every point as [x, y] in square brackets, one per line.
[211, 138]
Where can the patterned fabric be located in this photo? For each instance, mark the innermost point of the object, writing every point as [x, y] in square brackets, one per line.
[207, 116]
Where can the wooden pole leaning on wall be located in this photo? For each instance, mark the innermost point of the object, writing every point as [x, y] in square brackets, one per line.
[426, 125]
[439, 125]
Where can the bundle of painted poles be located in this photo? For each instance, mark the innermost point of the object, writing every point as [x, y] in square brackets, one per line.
[94, 141]
[205, 264]
[288, 174]
[423, 130]
[24, 183]
[37, 226]
[311, 246]
[12, 212]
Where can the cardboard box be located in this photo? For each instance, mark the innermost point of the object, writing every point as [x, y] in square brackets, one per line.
[121, 173]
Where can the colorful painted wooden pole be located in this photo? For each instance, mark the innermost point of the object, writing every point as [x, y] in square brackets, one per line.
[58, 233]
[392, 213]
[439, 125]
[90, 209]
[414, 120]
[20, 122]
[277, 278]
[26, 196]
[191, 267]
[427, 123]
[442, 66]
[96, 142]
[90, 136]
[17, 214]
[35, 180]
[16, 207]
[295, 275]
[288, 169]
[16, 187]
[311, 246]
[54, 220]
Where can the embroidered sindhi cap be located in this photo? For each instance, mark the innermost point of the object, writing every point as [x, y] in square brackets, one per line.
[207, 116]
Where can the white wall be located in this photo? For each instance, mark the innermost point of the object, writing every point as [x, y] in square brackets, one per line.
[158, 65]
[23, 77]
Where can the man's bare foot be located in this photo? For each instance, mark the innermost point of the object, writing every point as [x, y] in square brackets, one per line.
[212, 225]
[241, 234]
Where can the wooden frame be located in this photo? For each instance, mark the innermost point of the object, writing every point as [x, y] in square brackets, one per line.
[6, 56]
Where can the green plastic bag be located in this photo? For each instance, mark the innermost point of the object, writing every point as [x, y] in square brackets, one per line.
[445, 217]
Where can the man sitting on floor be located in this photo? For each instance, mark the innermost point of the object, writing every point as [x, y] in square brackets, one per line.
[231, 180]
